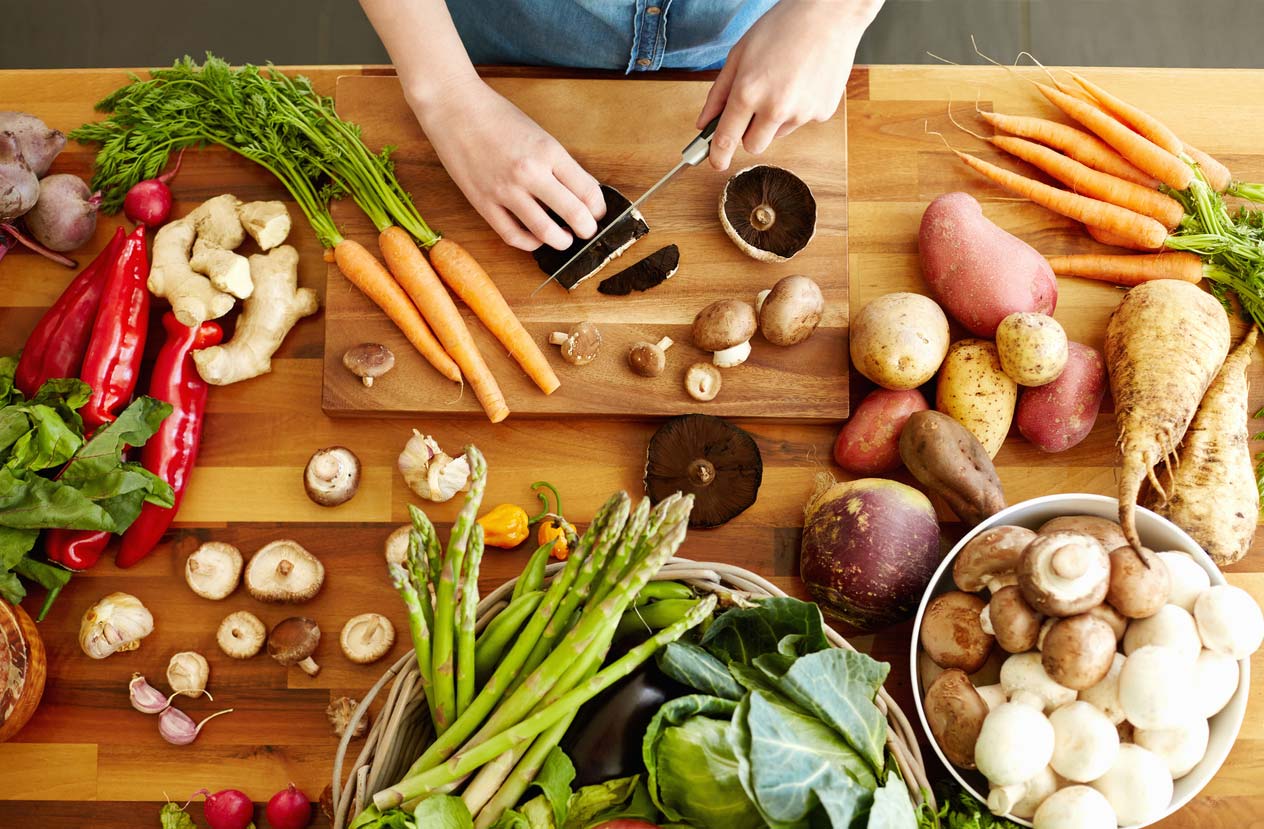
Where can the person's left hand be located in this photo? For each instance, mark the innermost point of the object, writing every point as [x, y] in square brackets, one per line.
[789, 69]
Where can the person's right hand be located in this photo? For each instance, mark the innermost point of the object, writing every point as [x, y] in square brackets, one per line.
[508, 166]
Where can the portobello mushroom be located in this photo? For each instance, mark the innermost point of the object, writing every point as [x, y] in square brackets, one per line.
[718, 463]
[650, 272]
[608, 247]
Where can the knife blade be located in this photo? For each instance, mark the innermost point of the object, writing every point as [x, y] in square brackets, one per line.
[693, 154]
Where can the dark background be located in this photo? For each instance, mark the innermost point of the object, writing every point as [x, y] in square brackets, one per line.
[99, 33]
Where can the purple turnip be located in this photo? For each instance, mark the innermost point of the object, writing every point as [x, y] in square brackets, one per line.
[148, 202]
[38, 144]
[19, 187]
[65, 216]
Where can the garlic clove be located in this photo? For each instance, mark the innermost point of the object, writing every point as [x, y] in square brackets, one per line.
[146, 698]
[178, 728]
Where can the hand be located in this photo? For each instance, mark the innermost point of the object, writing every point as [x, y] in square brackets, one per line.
[789, 69]
[507, 167]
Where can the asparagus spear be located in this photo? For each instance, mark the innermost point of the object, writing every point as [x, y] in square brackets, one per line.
[417, 626]
[428, 539]
[490, 645]
[465, 659]
[523, 765]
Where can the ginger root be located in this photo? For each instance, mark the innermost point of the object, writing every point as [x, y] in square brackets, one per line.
[267, 222]
[267, 316]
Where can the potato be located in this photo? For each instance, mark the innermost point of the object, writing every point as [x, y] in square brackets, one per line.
[946, 458]
[979, 273]
[976, 392]
[899, 340]
[869, 443]
[1033, 348]
[1058, 415]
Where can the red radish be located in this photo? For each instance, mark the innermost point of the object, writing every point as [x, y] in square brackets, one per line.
[149, 201]
[229, 809]
[289, 809]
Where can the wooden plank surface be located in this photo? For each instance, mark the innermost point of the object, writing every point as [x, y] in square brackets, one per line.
[627, 135]
[88, 759]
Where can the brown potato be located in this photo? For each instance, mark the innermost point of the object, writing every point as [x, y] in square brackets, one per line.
[1032, 347]
[976, 392]
[899, 340]
[948, 460]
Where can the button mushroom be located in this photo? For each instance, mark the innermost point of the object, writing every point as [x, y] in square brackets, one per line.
[580, 345]
[768, 212]
[649, 359]
[952, 634]
[1137, 590]
[213, 570]
[241, 635]
[709, 458]
[1156, 688]
[1011, 620]
[1170, 627]
[725, 327]
[1216, 677]
[283, 571]
[396, 547]
[1024, 672]
[1138, 786]
[1107, 531]
[187, 673]
[1229, 621]
[1118, 623]
[332, 476]
[1105, 694]
[703, 382]
[1085, 742]
[990, 559]
[1075, 807]
[367, 638]
[1022, 799]
[293, 641]
[368, 361]
[1188, 580]
[1015, 743]
[790, 311]
[1181, 748]
[1078, 651]
[1064, 573]
[955, 712]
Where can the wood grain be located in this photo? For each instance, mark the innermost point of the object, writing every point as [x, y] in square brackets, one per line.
[627, 135]
[88, 759]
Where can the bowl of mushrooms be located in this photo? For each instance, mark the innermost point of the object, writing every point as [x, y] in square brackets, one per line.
[1068, 680]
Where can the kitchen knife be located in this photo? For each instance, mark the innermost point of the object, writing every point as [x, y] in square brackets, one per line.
[692, 155]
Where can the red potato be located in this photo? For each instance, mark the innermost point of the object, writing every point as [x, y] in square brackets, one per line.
[1060, 414]
[869, 443]
[978, 272]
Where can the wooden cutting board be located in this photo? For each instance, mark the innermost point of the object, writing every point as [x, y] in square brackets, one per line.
[627, 133]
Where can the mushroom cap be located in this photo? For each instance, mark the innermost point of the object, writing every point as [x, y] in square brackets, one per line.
[1188, 579]
[653, 270]
[241, 634]
[1015, 743]
[1105, 694]
[340, 712]
[1180, 748]
[791, 311]
[1216, 676]
[1229, 621]
[990, 559]
[1135, 590]
[1156, 687]
[647, 359]
[703, 381]
[952, 633]
[716, 462]
[396, 547]
[1012, 621]
[294, 639]
[284, 571]
[187, 673]
[1025, 672]
[724, 324]
[367, 638]
[1138, 786]
[332, 476]
[597, 256]
[1064, 573]
[368, 360]
[1106, 530]
[1085, 742]
[582, 344]
[732, 356]
[1117, 621]
[1075, 807]
[1078, 651]
[768, 212]
[1170, 627]
[213, 570]
[955, 712]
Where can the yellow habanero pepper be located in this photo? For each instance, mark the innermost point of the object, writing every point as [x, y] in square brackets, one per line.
[551, 521]
[550, 531]
[505, 526]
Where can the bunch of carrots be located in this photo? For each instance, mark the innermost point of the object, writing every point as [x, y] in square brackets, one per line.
[282, 124]
[1135, 184]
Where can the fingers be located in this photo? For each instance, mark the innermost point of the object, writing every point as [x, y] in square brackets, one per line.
[578, 181]
[762, 130]
[728, 135]
[557, 197]
[532, 215]
[718, 94]
[508, 228]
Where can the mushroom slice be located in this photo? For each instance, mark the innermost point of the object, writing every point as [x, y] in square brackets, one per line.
[293, 641]
[597, 256]
[284, 571]
[650, 272]
[332, 476]
[368, 361]
[241, 634]
[768, 212]
[716, 462]
[213, 570]
[367, 638]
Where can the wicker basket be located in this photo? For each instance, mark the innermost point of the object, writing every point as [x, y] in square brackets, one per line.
[402, 729]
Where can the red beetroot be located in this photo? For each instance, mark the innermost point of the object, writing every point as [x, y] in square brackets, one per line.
[289, 809]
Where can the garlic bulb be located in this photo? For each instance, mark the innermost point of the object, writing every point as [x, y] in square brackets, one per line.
[429, 471]
[116, 623]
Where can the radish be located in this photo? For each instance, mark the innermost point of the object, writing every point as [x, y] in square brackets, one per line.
[148, 202]
[289, 809]
[229, 809]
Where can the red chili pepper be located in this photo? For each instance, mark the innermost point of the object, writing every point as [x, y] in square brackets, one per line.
[57, 345]
[171, 453]
[112, 361]
[76, 549]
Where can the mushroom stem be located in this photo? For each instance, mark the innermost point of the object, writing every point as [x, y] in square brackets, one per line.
[309, 666]
[665, 343]
[763, 217]
[702, 472]
[367, 380]
[557, 338]
[284, 567]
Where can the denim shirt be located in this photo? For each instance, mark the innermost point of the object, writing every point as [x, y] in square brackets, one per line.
[628, 35]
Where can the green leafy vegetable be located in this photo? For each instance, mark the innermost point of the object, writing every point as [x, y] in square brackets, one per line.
[741, 634]
[554, 780]
[625, 797]
[691, 665]
[443, 811]
[892, 808]
[958, 810]
[173, 816]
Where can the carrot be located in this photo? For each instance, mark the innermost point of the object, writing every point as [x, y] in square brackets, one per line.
[1108, 238]
[1082, 179]
[1083, 147]
[1142, 152]
[463, 274]
[1164, 344]
[418, 279]
[1140, 120]
[1124, 223]
[1128, 269]
[363, 270]
[1217, 175]
[1211, 490]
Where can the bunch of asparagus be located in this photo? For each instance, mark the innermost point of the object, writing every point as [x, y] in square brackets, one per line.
[542, 656]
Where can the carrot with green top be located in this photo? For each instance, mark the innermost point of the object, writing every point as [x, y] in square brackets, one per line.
[1132, 269]
[1140, 120]
[1083, 147]
[1217, 175]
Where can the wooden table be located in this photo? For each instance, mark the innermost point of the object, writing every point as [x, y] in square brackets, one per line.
[88, 759]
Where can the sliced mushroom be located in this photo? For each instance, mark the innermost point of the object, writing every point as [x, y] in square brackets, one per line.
[293, 641]
[213, 570]
[332, 476]
[241, 634]
[768, 212]
[596, 256]
[1064, 573]
[340, 712]
[649, 359]
[367, 638]
[284, 571]
[368, 361]
[703, 382]
[790, 311]
[580, 345]
[718, 463]
[650, 272]
[725, 327]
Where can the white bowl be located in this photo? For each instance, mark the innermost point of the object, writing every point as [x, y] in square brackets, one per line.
[1157, 533]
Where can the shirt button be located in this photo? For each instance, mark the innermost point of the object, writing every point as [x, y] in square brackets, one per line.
[653, 10]
[643, 61]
